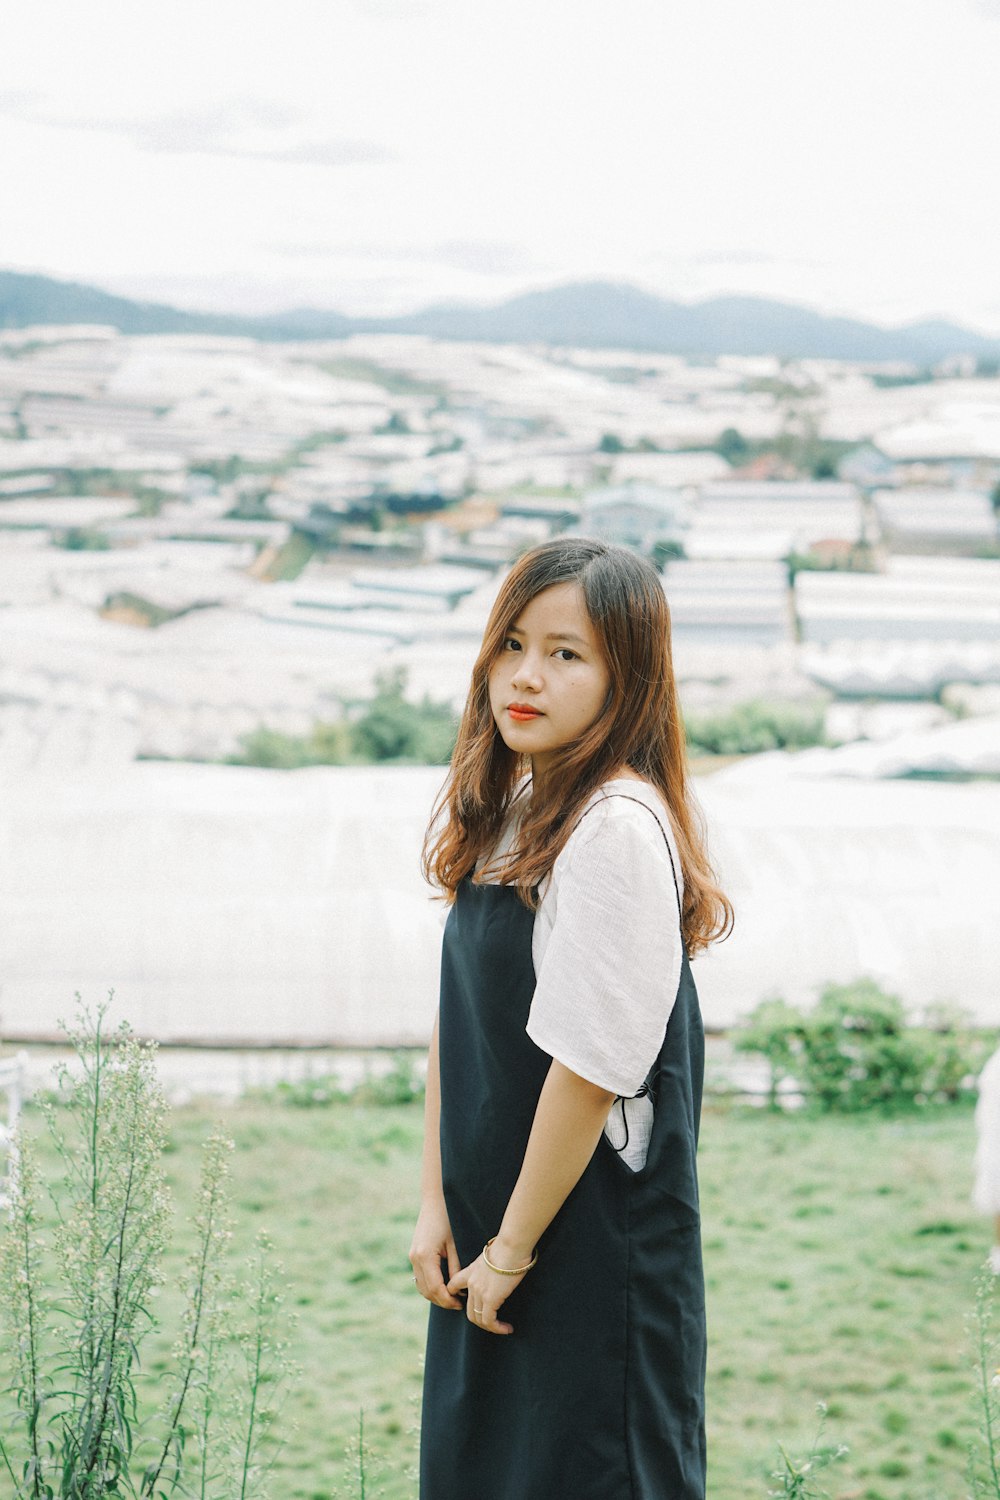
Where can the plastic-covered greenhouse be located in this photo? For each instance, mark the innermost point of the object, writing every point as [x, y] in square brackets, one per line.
[249, 906]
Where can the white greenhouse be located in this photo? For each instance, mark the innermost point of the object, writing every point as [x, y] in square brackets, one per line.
[244, 906]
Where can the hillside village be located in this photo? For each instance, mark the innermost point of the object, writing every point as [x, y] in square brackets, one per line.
[200, 536]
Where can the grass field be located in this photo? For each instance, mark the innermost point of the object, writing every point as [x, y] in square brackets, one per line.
[840, 1255]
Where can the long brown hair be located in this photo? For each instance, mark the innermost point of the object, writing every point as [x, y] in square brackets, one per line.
[640, 727]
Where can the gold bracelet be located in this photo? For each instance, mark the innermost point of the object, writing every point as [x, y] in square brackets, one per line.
[503, 1270]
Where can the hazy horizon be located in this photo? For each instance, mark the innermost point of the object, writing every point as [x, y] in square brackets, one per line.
[226, 303]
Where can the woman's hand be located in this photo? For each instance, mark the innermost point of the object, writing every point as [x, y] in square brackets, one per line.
[432, 1244]
[487, 1290]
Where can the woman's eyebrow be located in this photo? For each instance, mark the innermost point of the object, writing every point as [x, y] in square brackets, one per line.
[553, 635]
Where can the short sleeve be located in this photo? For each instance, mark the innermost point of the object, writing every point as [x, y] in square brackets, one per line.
[611, 965]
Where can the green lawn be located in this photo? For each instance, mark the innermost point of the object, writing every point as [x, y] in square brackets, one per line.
[840, 1256]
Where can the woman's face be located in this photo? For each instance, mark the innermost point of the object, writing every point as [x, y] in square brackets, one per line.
[550, 681]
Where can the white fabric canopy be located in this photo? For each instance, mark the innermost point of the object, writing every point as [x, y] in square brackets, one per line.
[250, 906]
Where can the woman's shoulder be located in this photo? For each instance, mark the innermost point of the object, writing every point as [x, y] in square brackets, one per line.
[624, 813]
[627, 800]
[622, 842]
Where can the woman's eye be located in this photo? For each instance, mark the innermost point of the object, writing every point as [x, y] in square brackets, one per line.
[511, 645]
[566, 654]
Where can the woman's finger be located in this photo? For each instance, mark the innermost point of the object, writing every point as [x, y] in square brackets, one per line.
[484, 1296]
[430, 1282]
[459, 1281]
[485, 1317]
[454, 1264]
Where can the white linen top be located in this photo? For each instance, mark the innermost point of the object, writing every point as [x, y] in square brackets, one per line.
[986, 1192]
[607, 951]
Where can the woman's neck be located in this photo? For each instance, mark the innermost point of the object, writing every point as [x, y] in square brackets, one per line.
[536, 781]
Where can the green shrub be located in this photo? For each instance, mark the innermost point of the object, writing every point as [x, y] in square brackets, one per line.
[273, 749]
[393, 729]
[390, 730]
[402, 1084]
[775, 1030]
[854, 1050]
[859, 1051]
[83, 539]
[752, 727]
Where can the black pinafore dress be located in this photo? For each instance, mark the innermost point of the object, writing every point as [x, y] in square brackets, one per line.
[598, 1394]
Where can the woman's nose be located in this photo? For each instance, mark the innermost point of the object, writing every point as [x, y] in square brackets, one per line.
[526, 673]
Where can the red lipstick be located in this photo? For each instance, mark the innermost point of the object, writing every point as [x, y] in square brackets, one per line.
[522, 712]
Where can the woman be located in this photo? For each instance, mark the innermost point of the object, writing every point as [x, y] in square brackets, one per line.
[986, 1191]
[559, 1202]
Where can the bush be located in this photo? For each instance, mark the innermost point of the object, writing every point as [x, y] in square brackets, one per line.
[775, 1030]
[391, 730]
[83, 539]
[859, 559]
[403, 1083]
[276, 751]
[752, 727]
[859, 1051]
[854, 1050]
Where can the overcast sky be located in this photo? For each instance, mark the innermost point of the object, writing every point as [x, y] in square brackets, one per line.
[375, 155]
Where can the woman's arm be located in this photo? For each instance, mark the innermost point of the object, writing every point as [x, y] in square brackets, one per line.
[432, 1237]
[569, 1118]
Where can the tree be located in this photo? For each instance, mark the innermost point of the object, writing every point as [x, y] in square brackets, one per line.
[666, 550]
[732, 445]
[393, 729]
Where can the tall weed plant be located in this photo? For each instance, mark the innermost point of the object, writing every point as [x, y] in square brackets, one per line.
[984, 1459]
[798, 1479]
[80, 1267]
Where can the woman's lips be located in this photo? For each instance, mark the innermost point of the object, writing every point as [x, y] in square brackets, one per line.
[522, 714]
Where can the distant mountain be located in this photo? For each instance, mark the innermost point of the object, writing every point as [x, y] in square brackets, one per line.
[27, 300]
[601, 315]
[310, 323]
[592, 315]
